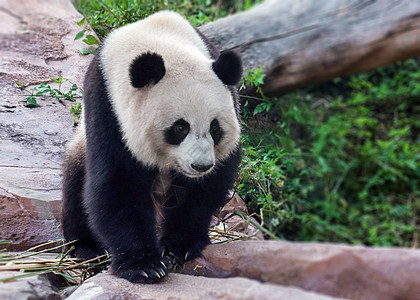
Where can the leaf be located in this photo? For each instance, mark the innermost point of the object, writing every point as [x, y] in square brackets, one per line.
[260, 108]
[268, 106]
[80, 23]
[58, 80]
[80, 34]
[91, 40]
[68, 96]
[41, 90]
[84, 51]
[54, 92]
[31, 100]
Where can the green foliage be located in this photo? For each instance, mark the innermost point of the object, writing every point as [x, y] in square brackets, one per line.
[105, 15]
[76, 110]
[254, 79]
[87, 37]
[45, 89]
[340, 168]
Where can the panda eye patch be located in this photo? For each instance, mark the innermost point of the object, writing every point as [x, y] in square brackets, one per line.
[216, 131]
[175, 134]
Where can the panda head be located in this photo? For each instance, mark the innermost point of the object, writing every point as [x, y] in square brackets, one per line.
[173, 102]
[194, 123]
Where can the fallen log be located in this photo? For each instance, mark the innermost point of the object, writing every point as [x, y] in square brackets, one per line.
[301, 42]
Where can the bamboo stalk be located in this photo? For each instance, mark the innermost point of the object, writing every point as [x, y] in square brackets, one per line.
[32, 264]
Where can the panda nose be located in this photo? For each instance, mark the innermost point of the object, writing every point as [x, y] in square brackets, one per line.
[201, 168]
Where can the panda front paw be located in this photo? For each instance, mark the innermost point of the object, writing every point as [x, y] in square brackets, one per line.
[181, 252]
[144, 271]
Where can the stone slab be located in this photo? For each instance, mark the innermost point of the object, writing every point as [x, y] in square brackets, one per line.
[353, 272]
[36, 44]
[177, 286]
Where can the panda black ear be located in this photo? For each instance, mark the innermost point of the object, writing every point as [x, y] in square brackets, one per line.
[228, 67]
[146, 68]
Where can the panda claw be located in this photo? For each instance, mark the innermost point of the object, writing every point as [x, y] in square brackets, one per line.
[186, 256]
[163, 264]
[156, 273]
[162, 273]
[144, 274]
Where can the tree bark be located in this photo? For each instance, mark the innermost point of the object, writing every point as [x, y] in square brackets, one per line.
[301, 42]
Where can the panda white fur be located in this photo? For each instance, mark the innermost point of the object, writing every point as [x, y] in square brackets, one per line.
[159, 106]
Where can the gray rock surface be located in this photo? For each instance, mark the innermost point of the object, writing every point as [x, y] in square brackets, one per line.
[36, 43]
[177, 286]
[39, 287]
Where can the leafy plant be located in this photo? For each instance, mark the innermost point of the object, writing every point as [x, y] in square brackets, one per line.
[44, 89]
[347, 157]
[76, 110]
[105, 15]
[87, 37]
[254, 79]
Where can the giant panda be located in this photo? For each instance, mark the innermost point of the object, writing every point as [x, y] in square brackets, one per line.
[160, 129]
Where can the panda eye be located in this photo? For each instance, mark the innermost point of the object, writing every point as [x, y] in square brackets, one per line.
[175, 134]
[216, 131]
[180, 128]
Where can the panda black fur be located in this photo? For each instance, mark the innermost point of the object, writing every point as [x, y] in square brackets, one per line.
[159, 105]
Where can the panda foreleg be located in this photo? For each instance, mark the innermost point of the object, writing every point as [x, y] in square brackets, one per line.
[185, 232]
[74, 218]
[122, 216]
